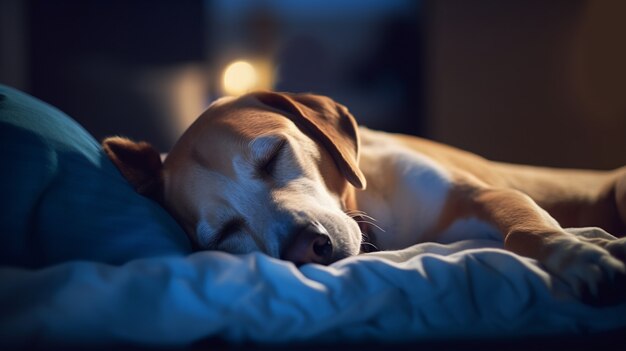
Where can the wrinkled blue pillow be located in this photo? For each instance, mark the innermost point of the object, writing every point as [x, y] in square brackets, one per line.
[62, 199]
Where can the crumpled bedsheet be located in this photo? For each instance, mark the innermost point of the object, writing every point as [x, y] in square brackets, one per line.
[428, 291]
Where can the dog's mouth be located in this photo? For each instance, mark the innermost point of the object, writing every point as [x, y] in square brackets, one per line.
[366, 225]
[368, 242]
[368, 239]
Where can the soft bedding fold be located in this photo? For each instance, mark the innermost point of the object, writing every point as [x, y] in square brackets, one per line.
[426, 291]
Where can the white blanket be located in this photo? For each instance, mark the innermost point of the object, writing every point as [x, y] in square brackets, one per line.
[426, 291]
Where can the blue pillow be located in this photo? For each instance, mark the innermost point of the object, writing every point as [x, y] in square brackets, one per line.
[62, 199]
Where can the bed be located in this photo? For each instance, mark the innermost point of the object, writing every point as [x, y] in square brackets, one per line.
[86, 262]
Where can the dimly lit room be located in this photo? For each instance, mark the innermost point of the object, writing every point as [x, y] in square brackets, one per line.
[318, 174]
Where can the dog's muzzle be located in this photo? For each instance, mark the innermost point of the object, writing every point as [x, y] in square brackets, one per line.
[310, 244]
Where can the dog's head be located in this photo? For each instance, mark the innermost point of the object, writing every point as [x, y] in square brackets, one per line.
[269, 172]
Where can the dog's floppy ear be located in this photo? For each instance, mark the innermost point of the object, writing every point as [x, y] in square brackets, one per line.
[329, 122]
[139, 163]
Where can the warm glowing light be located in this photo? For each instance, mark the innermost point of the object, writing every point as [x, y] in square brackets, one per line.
[239, 78]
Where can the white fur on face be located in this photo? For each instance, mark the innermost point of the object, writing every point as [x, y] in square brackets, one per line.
[268, 208]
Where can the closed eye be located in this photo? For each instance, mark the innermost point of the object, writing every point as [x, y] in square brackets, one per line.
[267, 166]
[231, 227]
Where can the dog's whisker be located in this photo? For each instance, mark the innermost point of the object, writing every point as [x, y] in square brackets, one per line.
[354, 215]
[371, 245]
[372, 224]
[354, 211]
[357, 213]
[368, 217]
[365, 242]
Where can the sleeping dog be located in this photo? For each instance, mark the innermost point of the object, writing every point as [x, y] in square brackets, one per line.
[293, 176]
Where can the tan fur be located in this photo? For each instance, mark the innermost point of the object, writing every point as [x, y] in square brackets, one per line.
[529, 206]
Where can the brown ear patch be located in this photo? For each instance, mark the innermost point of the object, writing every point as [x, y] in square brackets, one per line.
[138, 162]
[329, 122]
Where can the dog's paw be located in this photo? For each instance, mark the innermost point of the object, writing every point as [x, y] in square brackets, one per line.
[598, 236]
[617, 248]
[591, 271]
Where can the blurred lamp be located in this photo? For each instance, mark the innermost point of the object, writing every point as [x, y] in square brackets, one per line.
[239, 77]
[243, 76]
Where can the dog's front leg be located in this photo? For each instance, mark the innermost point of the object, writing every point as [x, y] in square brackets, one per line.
[593, 273]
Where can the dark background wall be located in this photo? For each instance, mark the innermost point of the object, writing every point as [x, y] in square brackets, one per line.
[539, 82]
[522, 81]
[118, 67]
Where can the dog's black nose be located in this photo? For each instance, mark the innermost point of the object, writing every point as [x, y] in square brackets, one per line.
[311, 244]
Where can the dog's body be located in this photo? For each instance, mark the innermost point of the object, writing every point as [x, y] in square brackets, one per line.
[400, 169]
[293, 176]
